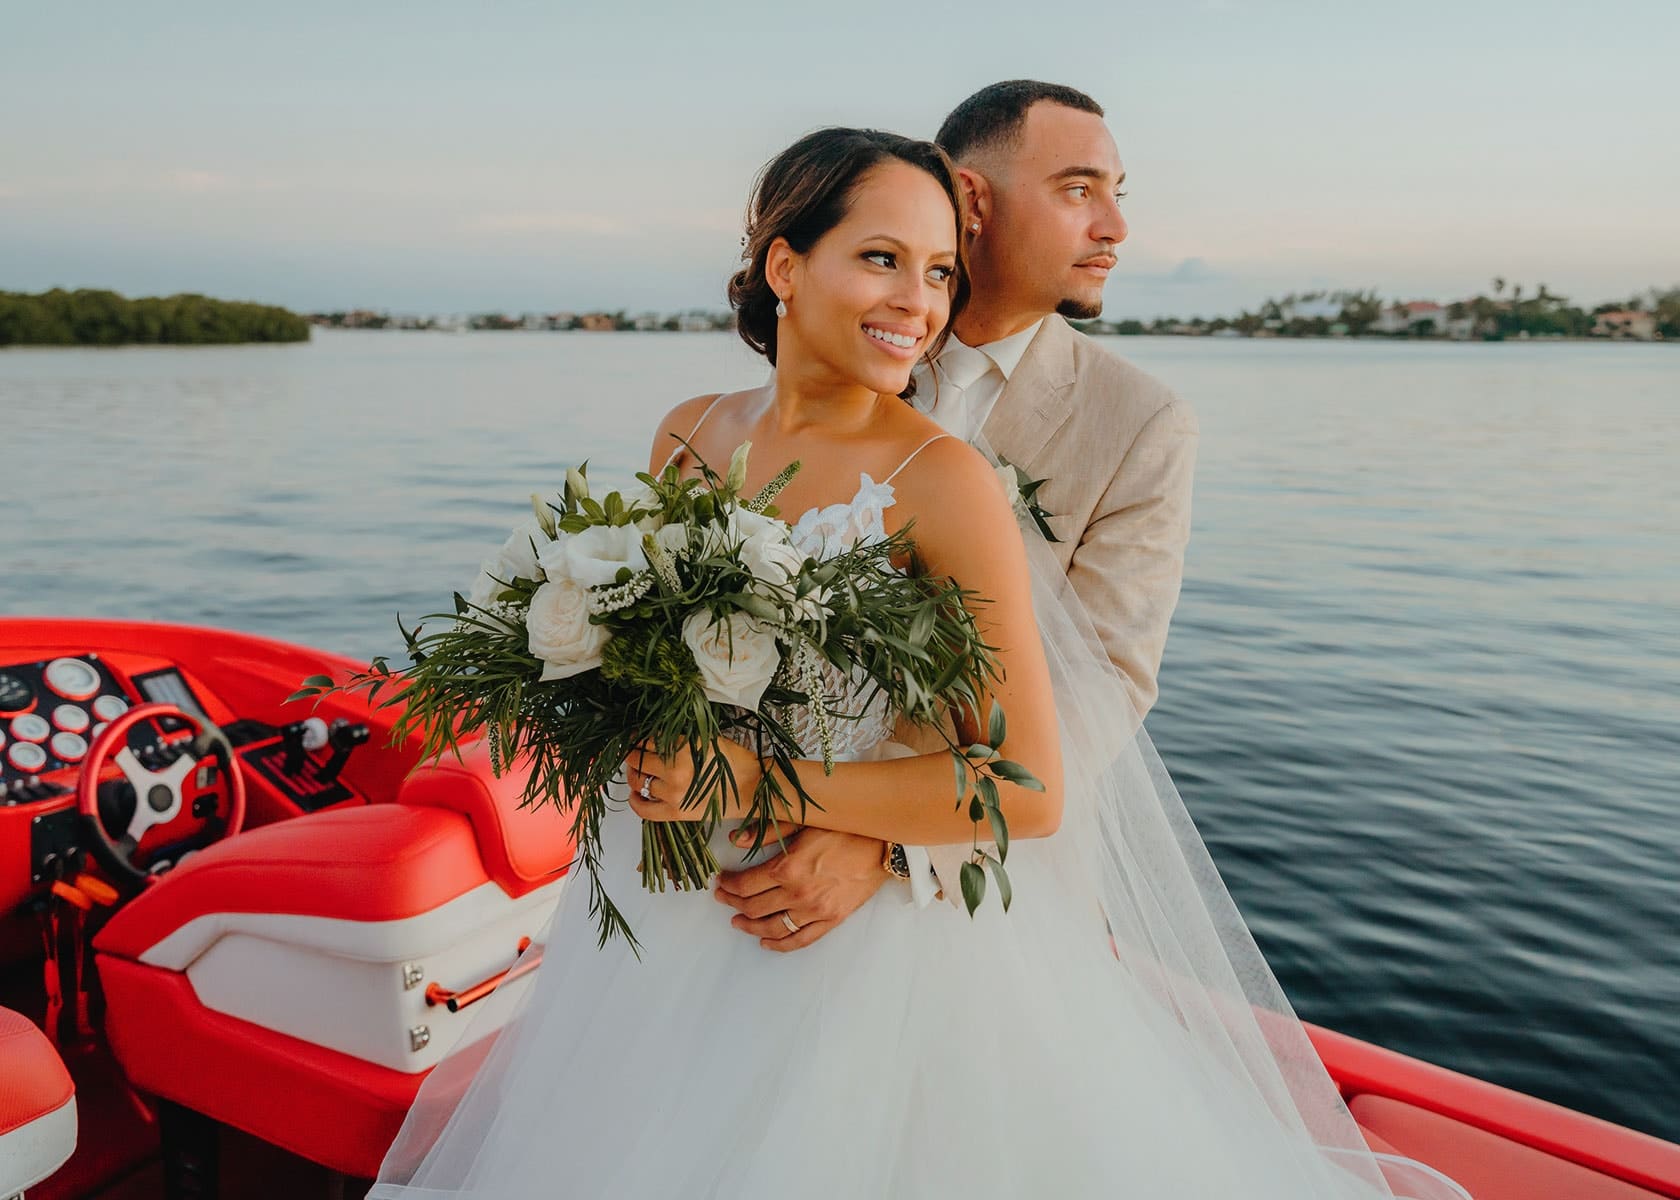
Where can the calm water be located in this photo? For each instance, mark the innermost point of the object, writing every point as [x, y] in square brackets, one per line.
[1422, 693]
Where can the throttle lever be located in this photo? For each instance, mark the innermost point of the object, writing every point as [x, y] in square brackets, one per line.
[343, 737]
[299, 738]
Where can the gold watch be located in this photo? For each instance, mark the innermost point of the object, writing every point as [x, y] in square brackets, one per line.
[894, 861]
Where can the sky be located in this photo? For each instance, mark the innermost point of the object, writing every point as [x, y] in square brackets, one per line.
[440, 158]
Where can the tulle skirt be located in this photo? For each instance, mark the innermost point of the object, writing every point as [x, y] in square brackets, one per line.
[908, 1053]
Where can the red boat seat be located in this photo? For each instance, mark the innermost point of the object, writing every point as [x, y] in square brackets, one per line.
[37, 1106]
[277, 981]
[1488, 1166]
[521, 848]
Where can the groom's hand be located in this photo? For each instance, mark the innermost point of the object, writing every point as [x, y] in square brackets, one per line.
[822, 878]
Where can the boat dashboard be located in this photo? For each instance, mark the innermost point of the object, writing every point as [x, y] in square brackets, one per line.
[54, 708]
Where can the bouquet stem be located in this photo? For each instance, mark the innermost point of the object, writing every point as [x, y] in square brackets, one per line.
[676, 852]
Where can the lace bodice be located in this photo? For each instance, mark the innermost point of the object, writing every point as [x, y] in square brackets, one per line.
[824, 532]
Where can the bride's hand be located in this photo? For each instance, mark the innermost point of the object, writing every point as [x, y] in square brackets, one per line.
[658, 785]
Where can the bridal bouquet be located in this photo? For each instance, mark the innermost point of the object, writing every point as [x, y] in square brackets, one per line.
[684, 614]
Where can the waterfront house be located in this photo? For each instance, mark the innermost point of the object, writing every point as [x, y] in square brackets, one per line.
[1626, 323]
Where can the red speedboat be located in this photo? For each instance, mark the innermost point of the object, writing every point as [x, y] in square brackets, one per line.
[235, 934]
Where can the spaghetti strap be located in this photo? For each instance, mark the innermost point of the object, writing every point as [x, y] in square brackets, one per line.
[936, 437]
[716, 400]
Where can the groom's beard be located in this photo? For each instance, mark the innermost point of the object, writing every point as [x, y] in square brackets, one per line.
[1080, 310]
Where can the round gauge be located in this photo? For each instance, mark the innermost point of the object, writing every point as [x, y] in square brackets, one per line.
[72, 678]
[31, 727]
[109, 707]
[71, 718]
[15, 693]
[69, 747]
[97, 730]
[27, 756]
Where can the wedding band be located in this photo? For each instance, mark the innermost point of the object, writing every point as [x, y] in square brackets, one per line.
[647, 783]
[788, 920]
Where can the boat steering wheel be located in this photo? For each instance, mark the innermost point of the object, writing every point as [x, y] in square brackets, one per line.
[159, 796]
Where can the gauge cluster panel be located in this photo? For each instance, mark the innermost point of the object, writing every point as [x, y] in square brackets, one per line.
[50, 711]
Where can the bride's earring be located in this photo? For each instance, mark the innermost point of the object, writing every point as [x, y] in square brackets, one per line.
[974, 228]
[781, 308]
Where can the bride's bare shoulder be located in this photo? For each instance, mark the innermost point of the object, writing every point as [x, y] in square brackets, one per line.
[948, 478]
[679, 423]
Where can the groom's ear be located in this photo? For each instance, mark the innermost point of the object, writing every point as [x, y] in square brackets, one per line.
[977, 194]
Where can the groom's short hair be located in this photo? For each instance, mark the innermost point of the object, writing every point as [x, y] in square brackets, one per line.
[993, 116]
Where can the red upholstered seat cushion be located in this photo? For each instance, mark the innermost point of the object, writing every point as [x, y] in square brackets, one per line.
[1489, 1167]
[523, 848]
[382, 862]
[33, 1079]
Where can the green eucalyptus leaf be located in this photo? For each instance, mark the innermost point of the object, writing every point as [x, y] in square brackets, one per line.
[995, 726]
[1015, 773]
[1000, 831]
[973, 886]
[1005, 892]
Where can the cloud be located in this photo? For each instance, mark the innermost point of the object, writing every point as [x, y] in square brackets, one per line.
[597, 224]
[198, 181]
[547, 222]
[1187, 272]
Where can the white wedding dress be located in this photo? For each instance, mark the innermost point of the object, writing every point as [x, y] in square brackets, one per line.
[911, 1052]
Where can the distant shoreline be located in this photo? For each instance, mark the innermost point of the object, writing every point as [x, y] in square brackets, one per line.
[1541, 315]
[1389, 339]
[91, 317]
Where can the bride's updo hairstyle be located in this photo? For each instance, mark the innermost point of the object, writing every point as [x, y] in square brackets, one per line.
[803, 193]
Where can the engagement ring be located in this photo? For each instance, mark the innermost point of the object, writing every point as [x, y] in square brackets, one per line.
[647, 782]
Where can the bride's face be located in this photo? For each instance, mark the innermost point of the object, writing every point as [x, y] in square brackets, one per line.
[876, 289]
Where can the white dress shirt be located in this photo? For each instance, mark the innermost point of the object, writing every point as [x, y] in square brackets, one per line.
[962, 389]
[960, 393]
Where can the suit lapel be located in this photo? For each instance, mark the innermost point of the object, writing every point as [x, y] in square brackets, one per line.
[1038, 397]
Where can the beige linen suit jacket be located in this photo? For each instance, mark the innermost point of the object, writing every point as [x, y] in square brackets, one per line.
[1118, 449]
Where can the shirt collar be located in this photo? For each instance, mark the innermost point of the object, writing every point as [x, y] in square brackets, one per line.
[1007, 352]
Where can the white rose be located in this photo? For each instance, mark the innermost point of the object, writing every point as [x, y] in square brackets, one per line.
[519, 555]
[745, 523]
[771, 557]
[764, 543]
[559, 630]
[485, 588]
[593, 556]
[673, 539]
[737, 656]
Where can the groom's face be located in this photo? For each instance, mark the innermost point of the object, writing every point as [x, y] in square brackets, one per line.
[1055, 212]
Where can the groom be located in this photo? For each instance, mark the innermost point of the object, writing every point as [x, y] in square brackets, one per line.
[1042, 176]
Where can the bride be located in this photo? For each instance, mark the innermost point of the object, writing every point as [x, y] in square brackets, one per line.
[1114, 1033]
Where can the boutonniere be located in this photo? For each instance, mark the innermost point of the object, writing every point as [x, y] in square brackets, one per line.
[1025, 490]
